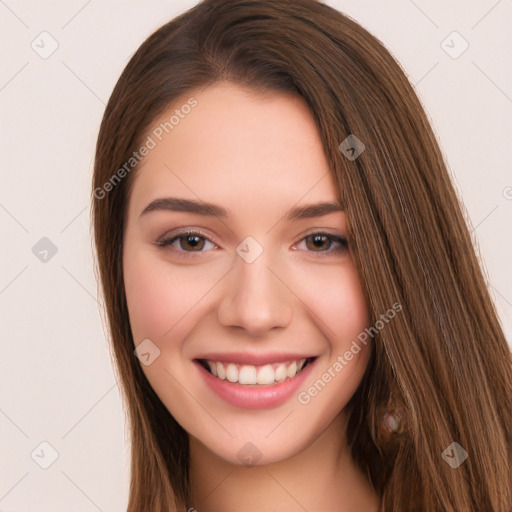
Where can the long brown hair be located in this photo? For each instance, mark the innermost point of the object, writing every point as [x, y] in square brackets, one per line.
[443, 361]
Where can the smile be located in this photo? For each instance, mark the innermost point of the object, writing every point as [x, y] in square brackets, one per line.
[247, 374]
[255, 386]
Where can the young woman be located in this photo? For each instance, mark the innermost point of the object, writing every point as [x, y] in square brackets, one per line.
[296, 311]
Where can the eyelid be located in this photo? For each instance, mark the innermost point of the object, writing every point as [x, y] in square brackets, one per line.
[335, 233]
[332, 232]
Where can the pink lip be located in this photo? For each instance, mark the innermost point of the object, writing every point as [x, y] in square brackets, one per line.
[254, 359]
[255, 397]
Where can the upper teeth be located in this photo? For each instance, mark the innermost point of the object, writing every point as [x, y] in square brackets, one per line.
[250, 374]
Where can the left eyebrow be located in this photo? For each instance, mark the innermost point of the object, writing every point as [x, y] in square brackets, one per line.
[312, 210]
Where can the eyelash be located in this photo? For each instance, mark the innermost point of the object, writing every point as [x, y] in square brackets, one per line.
[191, 254]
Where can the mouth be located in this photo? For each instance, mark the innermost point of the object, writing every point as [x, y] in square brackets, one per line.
[270, 374]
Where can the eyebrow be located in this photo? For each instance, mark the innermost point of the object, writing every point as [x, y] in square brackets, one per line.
[184, 205]
[209, 209]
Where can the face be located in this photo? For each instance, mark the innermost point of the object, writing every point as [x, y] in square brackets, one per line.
[246, 305]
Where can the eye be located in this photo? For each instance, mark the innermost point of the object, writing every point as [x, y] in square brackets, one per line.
[188, 242]
[323, 243]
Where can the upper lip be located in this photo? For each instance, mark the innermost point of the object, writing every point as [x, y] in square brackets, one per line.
[253, 359]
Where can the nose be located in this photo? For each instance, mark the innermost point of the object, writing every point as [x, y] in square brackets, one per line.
[255, 298]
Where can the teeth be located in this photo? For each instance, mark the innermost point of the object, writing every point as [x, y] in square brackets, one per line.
[247, 374]
[292, 369]
[221, 373]
[232, 373]
[213, 368]
[266, 375]
[280, 373]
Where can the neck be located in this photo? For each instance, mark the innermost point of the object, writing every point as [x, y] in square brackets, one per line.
[321, 477]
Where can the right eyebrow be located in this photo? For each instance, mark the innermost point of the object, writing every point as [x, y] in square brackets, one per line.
[185, 205]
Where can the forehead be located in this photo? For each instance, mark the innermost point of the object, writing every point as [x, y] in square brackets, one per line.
[236, 146]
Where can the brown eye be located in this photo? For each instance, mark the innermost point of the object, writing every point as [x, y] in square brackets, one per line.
[320, 242]
[191, 242]
[187, 242]
[324, 244]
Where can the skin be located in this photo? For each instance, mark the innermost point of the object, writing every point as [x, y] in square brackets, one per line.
[258, 156]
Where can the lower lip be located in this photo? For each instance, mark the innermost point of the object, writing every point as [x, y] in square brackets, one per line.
[255, 397]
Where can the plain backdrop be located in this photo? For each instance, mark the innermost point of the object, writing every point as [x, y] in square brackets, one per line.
[57, 382]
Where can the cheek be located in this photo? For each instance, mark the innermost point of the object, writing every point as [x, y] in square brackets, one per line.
[341, 312]
[351, 316]
[148, 296]
[164, 299]
[157, 298]
[335, 297]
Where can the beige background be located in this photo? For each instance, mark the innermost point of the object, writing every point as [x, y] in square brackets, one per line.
[57, 382]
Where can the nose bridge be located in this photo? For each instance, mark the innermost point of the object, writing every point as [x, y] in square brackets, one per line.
[254, 299]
